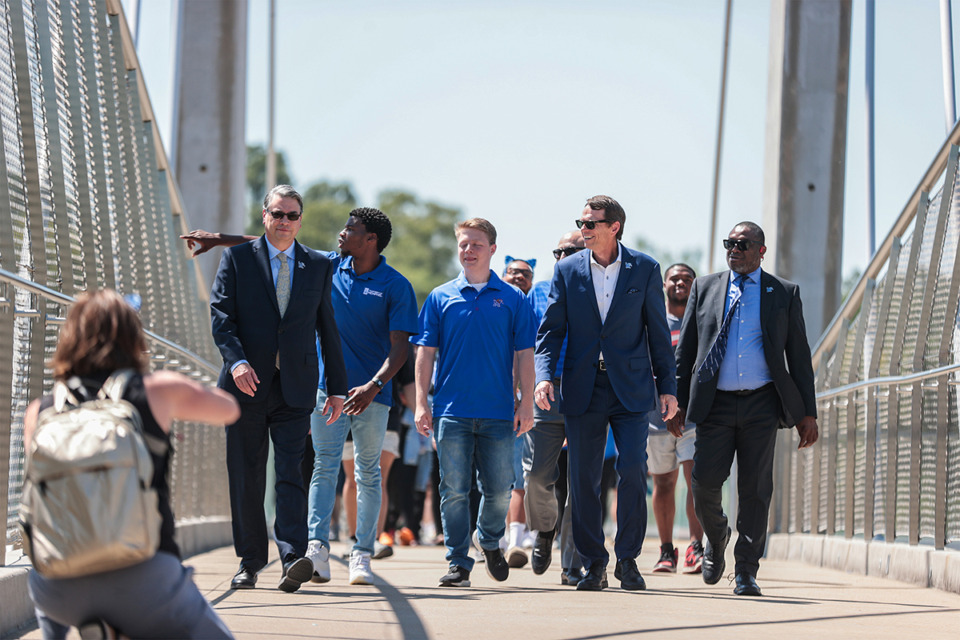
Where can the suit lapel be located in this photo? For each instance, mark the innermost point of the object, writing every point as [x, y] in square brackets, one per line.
[585, 273]
[722, 289]
[626, 268]
[299, 275]
[262, 257]
[766, 302]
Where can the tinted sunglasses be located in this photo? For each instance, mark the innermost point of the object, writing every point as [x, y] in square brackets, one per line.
[743, 245]
[592, 224]
[566, 251]
[292, 216]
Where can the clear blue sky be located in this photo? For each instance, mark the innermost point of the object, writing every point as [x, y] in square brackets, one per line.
[519, 111]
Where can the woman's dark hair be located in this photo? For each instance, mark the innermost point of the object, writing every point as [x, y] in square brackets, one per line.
[102, 333]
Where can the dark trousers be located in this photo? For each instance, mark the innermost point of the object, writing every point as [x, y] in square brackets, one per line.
[247, 450]
[745, 426]
[586, 441]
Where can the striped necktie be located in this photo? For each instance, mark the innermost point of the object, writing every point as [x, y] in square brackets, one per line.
[711, 364]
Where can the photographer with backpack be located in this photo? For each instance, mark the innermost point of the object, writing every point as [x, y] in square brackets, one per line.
[113, 566]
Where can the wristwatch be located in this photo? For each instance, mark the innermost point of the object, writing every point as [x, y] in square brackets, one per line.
[377, 381]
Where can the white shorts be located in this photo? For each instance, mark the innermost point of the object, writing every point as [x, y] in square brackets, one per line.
[665, 452]
[391, 444]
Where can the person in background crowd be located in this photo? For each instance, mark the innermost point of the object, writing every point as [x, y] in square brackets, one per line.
[666, 453]
[544, 447]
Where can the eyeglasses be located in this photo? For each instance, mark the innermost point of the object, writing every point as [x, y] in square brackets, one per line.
[292, 216]
[566, 251]
[592, 224]
[743, 245]
[519, 272]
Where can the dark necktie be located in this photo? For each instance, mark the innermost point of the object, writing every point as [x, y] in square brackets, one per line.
[711, 364]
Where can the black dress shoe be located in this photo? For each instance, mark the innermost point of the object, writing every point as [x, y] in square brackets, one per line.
[629, 575]
[746, 585]
[713, 562]
[295, 573]
[542, 552]
[570, 577]
[593, 580]
[245, 579]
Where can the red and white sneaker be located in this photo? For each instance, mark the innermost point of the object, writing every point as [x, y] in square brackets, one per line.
[693, 561]
[668, 559]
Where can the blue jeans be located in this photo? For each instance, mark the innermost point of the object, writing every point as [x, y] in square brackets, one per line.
[462, 445]
[368, 430]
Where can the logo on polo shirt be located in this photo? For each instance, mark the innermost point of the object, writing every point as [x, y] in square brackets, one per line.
[367, 291]
[498, 302]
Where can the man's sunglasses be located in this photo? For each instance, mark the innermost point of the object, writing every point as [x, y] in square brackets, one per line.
[292, 216]
[592, 224]
[743, 245]
[566, 251]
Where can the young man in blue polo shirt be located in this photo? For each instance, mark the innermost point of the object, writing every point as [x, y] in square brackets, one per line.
[376, 312]
[472, 326]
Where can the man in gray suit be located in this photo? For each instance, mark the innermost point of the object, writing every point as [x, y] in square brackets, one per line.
[743, 369]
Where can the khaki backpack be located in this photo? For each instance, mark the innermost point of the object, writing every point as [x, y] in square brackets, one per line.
[88, 505]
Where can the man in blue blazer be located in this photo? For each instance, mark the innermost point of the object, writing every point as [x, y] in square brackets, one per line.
[269, 304]
[619, 365]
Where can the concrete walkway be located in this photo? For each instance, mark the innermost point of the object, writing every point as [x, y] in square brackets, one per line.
[799, 602]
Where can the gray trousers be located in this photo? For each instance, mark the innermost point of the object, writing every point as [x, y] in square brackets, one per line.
[153, 599]
[540, 475]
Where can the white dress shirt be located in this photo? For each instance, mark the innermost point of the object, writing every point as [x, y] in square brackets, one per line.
[604, 283]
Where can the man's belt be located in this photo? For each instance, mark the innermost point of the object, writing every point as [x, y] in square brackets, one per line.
[601, 365]
[747, 392]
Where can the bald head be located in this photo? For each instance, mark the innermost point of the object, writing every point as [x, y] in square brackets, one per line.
[570, 243]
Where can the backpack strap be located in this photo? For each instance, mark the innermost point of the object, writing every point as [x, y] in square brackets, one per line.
[115, 386]
[63, 396]
[113, 389]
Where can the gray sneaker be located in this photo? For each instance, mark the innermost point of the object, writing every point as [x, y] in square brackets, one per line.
[381, 551]
[457, 576]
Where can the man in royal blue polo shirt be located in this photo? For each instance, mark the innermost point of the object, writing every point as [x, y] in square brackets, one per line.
[376, 313]
[472, 326]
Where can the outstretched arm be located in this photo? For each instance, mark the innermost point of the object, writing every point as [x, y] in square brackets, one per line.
[200, 241]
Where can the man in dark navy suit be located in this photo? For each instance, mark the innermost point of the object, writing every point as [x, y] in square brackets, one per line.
[619, 365]
[269, 304]
[743, 369]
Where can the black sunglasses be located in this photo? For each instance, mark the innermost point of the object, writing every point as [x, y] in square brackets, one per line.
[743, 245]
[592, 224]
[566, 251]
[292, 216]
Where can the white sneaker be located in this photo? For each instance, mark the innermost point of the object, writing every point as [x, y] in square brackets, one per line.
[360, 568]
[319, 555]
[529, 540]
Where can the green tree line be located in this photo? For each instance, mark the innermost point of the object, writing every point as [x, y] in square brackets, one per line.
[422, 247]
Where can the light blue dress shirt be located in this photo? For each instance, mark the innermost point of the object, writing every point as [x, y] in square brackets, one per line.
[744, 366]
[273, 252]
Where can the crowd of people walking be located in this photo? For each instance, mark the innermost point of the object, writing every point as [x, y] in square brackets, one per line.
[510, 395]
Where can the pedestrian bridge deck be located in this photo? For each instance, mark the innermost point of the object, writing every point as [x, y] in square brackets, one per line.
[799, 601]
